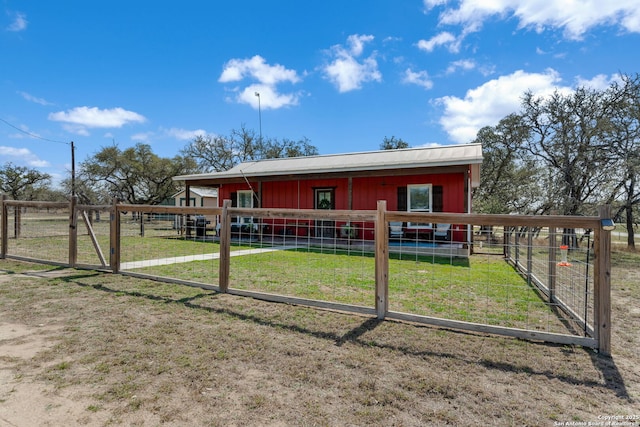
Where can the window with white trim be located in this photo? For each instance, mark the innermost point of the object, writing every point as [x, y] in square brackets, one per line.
[245, 200]
[419, 199]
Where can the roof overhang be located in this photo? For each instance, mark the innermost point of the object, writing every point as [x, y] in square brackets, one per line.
[405, 161]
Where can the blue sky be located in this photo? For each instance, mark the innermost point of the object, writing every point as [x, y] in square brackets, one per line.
[343, 74]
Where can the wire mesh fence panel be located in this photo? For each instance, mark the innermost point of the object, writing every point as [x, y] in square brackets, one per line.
[38, 232]
[312, 258]
[93, 236]
[515, 278]
[559, 266]
[573, 289]
[488, 239]
[169, 245]
[527, 280]
[479, 289]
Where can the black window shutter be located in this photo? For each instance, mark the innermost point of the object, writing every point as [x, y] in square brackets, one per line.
[402, 198]
[256, 200]
[438, 201]
[234, 200]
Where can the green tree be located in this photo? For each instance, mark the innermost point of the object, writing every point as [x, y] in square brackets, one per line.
[135, 175]
[566, 153]
[215, 153]
[393, 143]
[220, 153]
[87, 193]
[273, 149]
[624, 137]
[509, 177]
[566, 135]
[22, 183]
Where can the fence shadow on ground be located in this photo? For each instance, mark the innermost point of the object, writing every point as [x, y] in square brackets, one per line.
[611, 375]
[612, 378]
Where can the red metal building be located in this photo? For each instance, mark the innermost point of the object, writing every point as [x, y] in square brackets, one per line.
[435, 179]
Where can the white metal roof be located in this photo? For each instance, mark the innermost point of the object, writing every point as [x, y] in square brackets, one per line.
[200, 191]
[449, 155]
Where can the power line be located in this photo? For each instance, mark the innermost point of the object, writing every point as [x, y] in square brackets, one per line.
[73, 154]
[31, 134]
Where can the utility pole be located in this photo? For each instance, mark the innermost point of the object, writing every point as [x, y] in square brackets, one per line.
[259, 115]
[73, 170]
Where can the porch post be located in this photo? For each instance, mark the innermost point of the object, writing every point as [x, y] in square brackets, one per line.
[382, 261]
[187, 202]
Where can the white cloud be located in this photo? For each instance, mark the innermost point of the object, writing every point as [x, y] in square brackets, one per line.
[599, 82]
[184, 134]
[356, 43]
[430, 4]
[32, 98]
[23, 156]
[257, 68]
[267, 76]
[464, 64]
[420, 78]
[142, 136]
[487, 104]
[24, 133]
[19, 22]
[77, 129]
[269, 97]
[78, 119]
[391, 39]
[443, 39]
[345, 72]
[428, 145]
[574, 18]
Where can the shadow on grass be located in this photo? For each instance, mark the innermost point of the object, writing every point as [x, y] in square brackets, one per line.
[613, 380]
[52, 272]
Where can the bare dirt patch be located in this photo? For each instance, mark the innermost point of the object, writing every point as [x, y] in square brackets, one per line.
[25, 402]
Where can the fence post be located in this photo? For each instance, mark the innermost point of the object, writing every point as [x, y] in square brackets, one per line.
[114, 237]
[506, 242]
[225, 247]
[17, 222]
[602, 284]
[5, 228]
[529, 254]
[516, 245]
[73, 231]
[553, 242]
[382, 261]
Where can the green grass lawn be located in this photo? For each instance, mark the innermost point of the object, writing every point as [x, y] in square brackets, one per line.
[482, 289]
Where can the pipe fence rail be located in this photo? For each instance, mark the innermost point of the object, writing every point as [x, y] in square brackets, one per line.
[543, 278]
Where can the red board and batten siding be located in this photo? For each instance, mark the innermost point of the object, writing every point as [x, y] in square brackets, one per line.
[366, 191]
[299, 194]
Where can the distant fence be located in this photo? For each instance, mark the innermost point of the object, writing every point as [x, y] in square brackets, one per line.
[513, 276]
